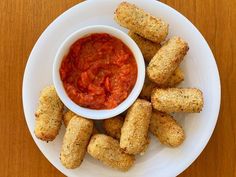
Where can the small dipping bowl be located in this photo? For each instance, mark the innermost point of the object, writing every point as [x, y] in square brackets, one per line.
[94, 113]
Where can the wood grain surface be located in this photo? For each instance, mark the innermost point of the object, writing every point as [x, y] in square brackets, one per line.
[22, 22]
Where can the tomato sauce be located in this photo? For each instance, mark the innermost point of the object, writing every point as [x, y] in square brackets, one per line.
[99, 71]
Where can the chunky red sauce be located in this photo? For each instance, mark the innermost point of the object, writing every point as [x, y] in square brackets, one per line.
[99, 71]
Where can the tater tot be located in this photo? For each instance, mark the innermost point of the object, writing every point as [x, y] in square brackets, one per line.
[166, 129]
[75, 141]
[166, 60]
[147, 47]
[48, 115]
[177, 100]
[134, 133]
[113, 126]
[68, 116]
[175, 79]
[140, 22]
[107, 150]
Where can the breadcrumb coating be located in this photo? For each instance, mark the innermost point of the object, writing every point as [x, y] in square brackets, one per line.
[177, 100]
[166, 129]
[167, 60]
[140, 22]
[68, 116]
[134, 133]
[174, 80]
[147, 47]
[48, 115]
[107, 150]
[113, 126]
[75, 141]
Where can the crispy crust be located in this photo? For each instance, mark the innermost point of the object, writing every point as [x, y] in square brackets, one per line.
[68, 116]
[134, 133]
[166, 60]
[140, 22]
[48, 115]
[107, 150]
[113, 126]
[175, 79]
[75, 141]
[148, 86]
[147, 47]
[166, 129]
[177, 100]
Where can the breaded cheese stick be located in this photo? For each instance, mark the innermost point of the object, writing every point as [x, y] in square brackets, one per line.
[175, 79]
[140, 22]
[134, 133]
[107, 150]
[147, 47]
[166, 60]
[113, 126]
[177, 100]
[166, 129]
[68, 116]
[148, 86]
[48, 115]
[75, 141]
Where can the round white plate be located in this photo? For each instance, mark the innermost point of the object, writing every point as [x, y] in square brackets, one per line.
[200, 71]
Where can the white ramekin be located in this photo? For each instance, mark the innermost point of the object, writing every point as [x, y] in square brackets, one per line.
[92, 113]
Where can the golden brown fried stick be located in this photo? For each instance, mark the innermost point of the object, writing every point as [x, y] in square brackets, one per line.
[107, 150]
[147, 47]
[148, 86]
[134, 133]
[113, 126]
[175, 79]
[75, 141]
[166, 129]
[167, 60]
[177, 100]
[140, 22]
[48, 115]
[68, 116]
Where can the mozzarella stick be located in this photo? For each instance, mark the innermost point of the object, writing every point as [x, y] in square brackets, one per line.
[174, 80]
[48, 115]
[167, 60]
[177, 100]
[75, 141]
[134, 133]
[68, 116]
[113, 126]
[107, 150]
[166, 129]
[148, 86]
[147, 47]
[140, 22]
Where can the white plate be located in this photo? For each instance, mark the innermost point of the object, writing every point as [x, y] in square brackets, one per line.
[200, 71]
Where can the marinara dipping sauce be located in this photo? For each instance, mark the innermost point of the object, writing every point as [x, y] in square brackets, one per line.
[99, 71]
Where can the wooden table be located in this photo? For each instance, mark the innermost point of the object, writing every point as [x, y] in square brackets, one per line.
[22, 22]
